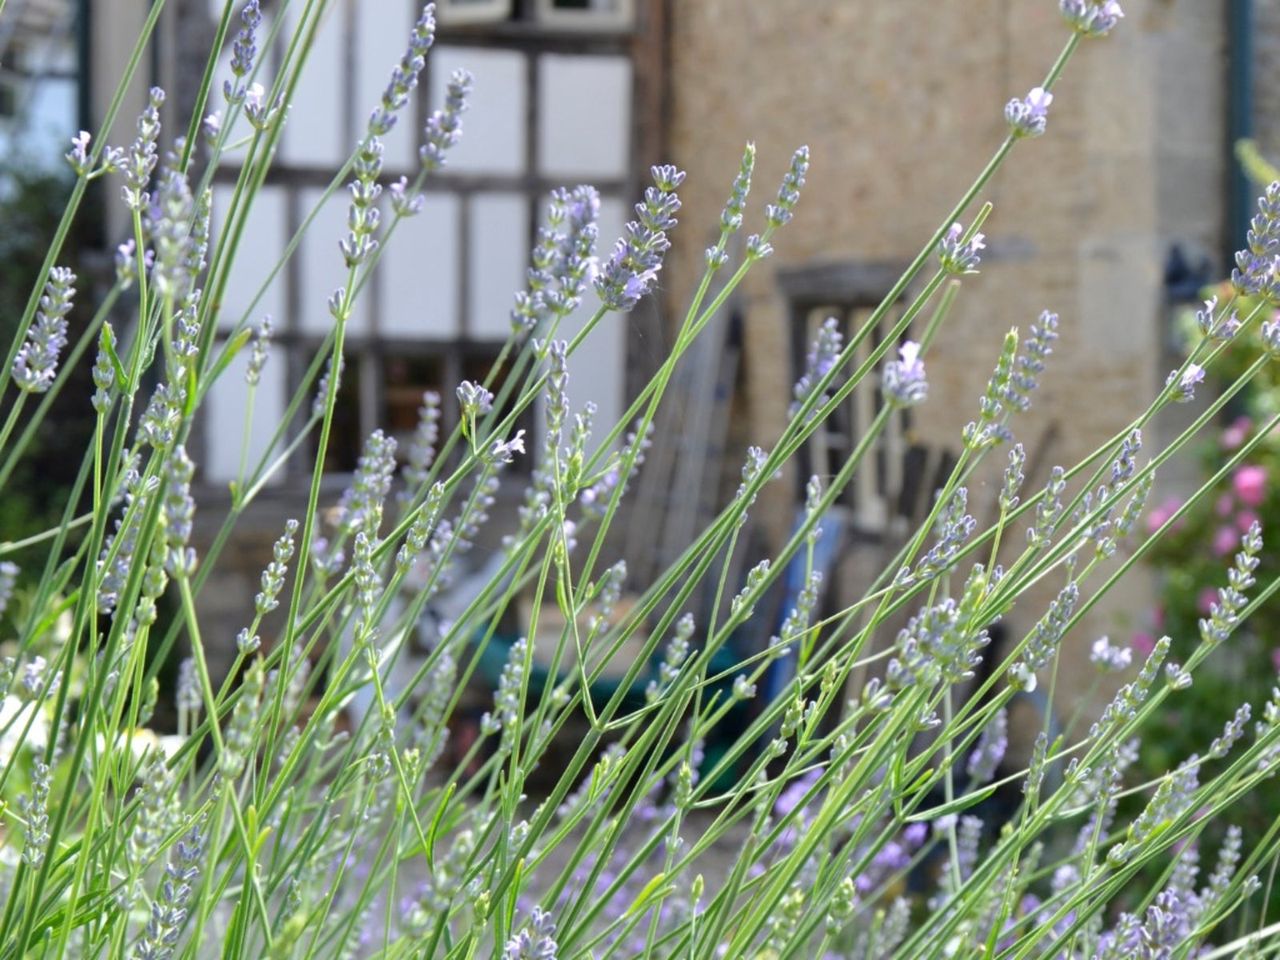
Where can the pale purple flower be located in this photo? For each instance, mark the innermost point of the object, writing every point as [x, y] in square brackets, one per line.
[903, 379]
[244, 50]
[1092, 18]
[959, 256]
[1184, 387]
[1028, 117]
[504, 451]
[78, 155]
[404, 76]
[780, 213]
[637, 257]
[1255, 266]
[1108, 657]
[141, 158]
[444, 126]
[36, 364]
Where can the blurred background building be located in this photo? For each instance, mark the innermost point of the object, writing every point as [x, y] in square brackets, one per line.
[1121, 212]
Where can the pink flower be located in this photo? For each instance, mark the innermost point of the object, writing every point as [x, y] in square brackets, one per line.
[1250, 484]
[1161, 513]
[1206, 599]
[1142, 644]
[1246, 519]
[1226, 503]
[1275, 659]
[1224, 541]
[1157, 618]
[1237, 433]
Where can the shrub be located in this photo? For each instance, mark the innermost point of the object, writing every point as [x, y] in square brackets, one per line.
[277, 823]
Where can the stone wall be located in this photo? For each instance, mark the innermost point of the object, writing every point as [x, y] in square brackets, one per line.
[901, 105]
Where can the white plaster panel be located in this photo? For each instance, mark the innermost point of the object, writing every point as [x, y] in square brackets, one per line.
[313, 134]
[262, 242]
[584, 106]
[419, 273]
[493, 127]
[499, 257]
[224, 409]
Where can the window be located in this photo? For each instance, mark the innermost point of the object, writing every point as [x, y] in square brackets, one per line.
[437, 309]
[849, 293]
[587, 15]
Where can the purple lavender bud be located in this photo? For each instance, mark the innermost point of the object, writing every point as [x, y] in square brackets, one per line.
[404, 76]
[1108, 657]
[1271, 335]
[818, 363]
[780, 213]
[731, 216]
[958, 256]
[361, 505]
[171, 221]
[141, 159]
[1013, 478]
[169, 908]
[1028, 117]
[422, 448]
[261, 113]
[1231, 732]
[8, 579]
[990, 749]
[1091, 18]
[637, 257]
[1184, 386]
[474, 399]
[1224, 613]
[35, 808]
[444, 126]
[1255, 269]
[903, 380]
[36, 363]
[1042, 643]
[78, 155]
[1031, 362]
[402, 204]
[273, 576]
[179, 512]
[259, 353]
[244, 50]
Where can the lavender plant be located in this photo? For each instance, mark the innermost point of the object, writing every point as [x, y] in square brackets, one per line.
[311, 803]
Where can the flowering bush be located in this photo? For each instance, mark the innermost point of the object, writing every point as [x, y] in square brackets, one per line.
[276, 822]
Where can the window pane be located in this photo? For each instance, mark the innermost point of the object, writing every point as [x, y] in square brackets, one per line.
[419, 274]
[345, 439]
[261, 244]
[405, 379]
[313, 135]
[585, 106]
[493, 140]
[499, 256]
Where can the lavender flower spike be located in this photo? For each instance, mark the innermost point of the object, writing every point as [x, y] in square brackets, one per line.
[903, 379]
[36, 364]
[404, 77]
[1028, 117]
[444, 127]
[959, 256]
[1092, 18]
[636, 259]
[535, 941]
[244, 50]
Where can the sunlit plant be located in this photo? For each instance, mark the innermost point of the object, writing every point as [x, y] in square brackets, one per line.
[277, 821]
